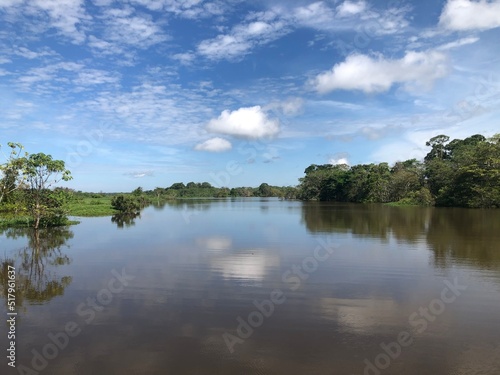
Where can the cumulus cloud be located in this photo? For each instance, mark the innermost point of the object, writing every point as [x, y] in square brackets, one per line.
[459, 15]
[251, 122]
[339, 161]
[378, 74]
[214, 145]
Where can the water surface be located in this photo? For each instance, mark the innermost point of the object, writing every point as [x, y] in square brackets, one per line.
[347, 281]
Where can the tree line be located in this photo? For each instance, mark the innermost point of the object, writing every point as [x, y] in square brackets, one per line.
[459, 173]
[206, 190]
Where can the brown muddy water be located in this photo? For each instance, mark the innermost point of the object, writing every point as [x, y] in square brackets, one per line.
[257, 286]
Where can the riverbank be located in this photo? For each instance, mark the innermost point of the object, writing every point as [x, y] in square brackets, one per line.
[91, 207]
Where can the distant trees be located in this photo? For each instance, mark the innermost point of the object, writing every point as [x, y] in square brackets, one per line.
[138, 191]
[158, 192]
[206, 190]
[177, 186]
[361, 183]
[463, 173]
[264, 190]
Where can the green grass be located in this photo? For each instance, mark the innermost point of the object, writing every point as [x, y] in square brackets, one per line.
[84, 207]
[14, 222]
[9, 221]
[91, 207]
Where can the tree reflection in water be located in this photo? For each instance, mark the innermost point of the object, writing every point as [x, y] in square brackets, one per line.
[455, 235]
[125, 220]
[37, 281]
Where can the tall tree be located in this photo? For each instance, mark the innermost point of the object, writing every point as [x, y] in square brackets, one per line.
[438, 147]
[11, 176]
[42, 172]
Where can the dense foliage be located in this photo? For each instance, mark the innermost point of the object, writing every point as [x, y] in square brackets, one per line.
[26, 183]
[462, 173]
[125, 204]
[206, 190]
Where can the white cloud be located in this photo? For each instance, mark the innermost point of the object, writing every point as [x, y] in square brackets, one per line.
[292, 106]
[64, 15]
[350, 8]
[141, 174]
[351, 15]
[314, 15]
[185, 58]
[261, 28]
[64, 77]
[224, 46]
[214, 145]
[191, 9]
[28, 54]
[458, 43]
[90, 77]
[9, 3]
[158, 114]
[103, 47]
[264, 27]
[339, 161]
[462, 15]
[135, 30]
[250, 122]
[368, 74]
[289, 107]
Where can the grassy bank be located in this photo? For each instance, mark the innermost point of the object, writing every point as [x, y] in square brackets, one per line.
[7, 221]
[83, 207]
[95, 206]
[14, 222]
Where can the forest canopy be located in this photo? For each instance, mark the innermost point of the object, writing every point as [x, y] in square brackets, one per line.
[460, 173]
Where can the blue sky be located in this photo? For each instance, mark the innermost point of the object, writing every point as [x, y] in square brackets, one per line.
[151, 92]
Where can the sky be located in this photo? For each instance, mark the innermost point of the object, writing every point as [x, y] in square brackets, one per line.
[235, 93]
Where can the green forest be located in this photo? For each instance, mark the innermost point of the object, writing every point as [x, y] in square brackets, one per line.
[457, 173]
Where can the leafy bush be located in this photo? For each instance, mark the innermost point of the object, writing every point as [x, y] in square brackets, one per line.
[125, 204]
